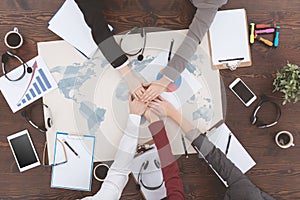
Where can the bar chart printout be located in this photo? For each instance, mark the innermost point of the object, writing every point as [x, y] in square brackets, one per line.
[31, 87]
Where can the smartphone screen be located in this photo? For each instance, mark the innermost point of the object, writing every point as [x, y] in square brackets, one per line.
[242, 91]
[23, 150]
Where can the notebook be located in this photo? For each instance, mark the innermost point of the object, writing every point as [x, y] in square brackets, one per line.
[228, 36]
[225, 140]
[76, 173]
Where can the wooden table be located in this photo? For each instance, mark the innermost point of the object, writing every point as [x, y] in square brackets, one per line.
[277, 171]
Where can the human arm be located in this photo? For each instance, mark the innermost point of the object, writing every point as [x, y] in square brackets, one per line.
[169, 165]
[103, 37]
[205, 13]
[117, 176]
[224, 167]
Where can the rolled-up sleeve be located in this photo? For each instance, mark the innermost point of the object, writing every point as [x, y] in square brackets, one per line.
[205, 13]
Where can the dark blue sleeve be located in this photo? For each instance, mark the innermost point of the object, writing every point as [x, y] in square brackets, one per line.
[93, 16]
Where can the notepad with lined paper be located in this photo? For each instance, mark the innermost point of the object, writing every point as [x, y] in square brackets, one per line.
[228, 37]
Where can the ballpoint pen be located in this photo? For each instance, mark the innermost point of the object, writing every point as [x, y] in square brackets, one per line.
[71, 148]
[170, 50]
[184, 146]
[228, 143]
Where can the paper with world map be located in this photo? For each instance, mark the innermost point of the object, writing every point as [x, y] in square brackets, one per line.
[92, 97]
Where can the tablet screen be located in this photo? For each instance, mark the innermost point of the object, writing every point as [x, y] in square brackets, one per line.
[23, 150]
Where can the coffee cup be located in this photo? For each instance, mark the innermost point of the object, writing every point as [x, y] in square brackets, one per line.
[100, 171]
[13, 39]
[284, 139]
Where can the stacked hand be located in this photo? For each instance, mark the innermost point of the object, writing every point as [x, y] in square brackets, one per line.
[150, 91]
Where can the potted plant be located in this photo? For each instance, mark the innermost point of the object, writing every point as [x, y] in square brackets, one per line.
[287, 81]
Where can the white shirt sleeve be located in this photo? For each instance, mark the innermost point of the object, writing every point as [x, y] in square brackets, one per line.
[117, 176]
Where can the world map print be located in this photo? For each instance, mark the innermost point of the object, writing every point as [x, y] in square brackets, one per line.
[76, 76]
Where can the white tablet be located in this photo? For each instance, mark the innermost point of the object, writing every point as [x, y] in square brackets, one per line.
[23, 150]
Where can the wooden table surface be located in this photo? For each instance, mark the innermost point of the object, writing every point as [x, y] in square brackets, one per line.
[277, 171]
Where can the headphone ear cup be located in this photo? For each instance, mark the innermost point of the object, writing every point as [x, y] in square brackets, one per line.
[253, 119]
[29, 70]
[24, 114]
[157, 163]
[4, 58]
[49, 122]
[146, 165]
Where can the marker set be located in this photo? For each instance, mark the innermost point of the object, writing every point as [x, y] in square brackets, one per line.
[256, 30]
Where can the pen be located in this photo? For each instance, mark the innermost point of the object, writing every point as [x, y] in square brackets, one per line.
[252, 33]
[184, 146]
[228, 142]
[70, 148]
[170, 50]
[276, 38]
[263, 40]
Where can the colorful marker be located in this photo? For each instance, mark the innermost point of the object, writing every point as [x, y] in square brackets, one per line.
[276, 38]
[252, 33]
[260, 26]
[269, 30]
[263, 40]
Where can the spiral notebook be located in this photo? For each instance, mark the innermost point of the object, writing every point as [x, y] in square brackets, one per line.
[76, 172]
[228, 37]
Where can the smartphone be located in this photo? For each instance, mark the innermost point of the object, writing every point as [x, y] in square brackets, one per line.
[23, 150]
[242, 91]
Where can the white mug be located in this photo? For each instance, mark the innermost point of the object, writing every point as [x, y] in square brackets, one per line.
[100, 171]
[284, 139]
[13, 39]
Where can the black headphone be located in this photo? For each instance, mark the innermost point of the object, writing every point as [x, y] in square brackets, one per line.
[140, 176]
[141, 50]
[48, 118]
[254, 118]
[26, 68]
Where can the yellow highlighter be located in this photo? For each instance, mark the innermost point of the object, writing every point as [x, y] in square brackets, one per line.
[252, 33]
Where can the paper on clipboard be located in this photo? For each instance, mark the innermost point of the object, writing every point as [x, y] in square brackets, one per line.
[76, 173]
[228, 35]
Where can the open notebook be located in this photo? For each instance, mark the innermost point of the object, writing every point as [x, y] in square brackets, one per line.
[228, 35]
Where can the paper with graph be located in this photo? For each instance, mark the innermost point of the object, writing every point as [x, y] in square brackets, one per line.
[31, 87]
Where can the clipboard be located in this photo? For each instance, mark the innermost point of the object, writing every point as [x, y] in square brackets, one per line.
[76, 173]
[228, 40]
[223, 138]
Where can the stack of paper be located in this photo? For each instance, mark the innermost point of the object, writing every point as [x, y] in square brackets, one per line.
[69, 24]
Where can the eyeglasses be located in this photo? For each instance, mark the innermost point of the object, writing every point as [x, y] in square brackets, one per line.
[45, 162]
[17, 75]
